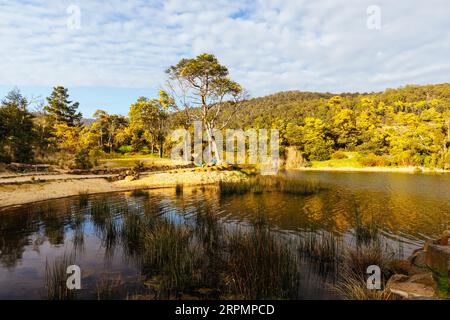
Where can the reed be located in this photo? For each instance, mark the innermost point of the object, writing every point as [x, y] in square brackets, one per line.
[260, 266]
[324, 250]
[139, 193]
[83, 198]
[56, 277]
[106, 288]
[367, 231]
[179, 189]
[352, 279]
[170, 259]
[261, 184]
[354, 287]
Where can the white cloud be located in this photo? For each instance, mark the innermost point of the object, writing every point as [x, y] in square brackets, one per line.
[267, 45]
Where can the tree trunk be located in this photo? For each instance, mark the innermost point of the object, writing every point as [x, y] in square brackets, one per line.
[161, 150]
[212, 144]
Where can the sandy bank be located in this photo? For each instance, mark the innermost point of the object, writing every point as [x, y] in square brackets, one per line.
[15, 194]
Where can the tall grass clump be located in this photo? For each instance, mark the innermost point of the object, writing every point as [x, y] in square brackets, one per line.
[365, 232]
[325, 250]
[100, 211]
[352, 283]
[139, 193]
[83, 198]
[106, 289]
[260, 266]
[170, 259]
[56, 278]
[179, 189]
[260, 184]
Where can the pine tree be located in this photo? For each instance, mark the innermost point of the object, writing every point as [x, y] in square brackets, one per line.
[61, 110]
[16, 129]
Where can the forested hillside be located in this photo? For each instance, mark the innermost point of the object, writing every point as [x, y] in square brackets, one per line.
[404, 126]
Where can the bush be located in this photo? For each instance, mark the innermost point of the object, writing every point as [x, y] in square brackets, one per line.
[338, 155]
[403, 158]
[125, 149]
[82, 160]
[372, 160]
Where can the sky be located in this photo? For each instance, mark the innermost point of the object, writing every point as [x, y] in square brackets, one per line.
[108, 53]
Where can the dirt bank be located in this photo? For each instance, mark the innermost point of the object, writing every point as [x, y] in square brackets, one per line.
[20, 192]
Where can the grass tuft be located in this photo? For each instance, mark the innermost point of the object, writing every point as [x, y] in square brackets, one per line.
[56, 277]
[260, 184]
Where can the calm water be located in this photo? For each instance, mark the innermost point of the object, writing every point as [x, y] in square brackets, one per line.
[408, 208]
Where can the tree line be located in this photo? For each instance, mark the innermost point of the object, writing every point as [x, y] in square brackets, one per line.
[409, 126]
[405, 126]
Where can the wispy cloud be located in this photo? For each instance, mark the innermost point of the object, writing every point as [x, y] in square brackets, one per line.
[268, 45]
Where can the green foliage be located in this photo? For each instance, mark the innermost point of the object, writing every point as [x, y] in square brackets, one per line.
[16, 129]
[60, 109]
[409, 126]
[125, 149]
[149, 122]
[373, 160]
[82, 160]
[338, 155]
[317, 143]
[207, 93]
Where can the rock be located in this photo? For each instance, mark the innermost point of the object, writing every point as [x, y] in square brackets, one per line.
[419, 286]
[131, 178]
[438, 258]
[417, 259]
[444, 241]
[404, 267]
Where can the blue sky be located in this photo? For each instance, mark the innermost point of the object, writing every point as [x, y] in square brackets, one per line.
[122, 48]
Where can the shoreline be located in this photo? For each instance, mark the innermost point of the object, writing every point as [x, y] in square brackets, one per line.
[22, 190]
[373, 169]
[15, 194]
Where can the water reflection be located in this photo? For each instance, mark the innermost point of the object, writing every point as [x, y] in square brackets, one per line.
[109, 235]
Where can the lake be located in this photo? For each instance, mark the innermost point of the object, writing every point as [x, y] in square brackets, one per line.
[102, 235]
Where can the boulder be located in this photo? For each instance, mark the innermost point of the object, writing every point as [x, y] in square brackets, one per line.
[438, 258]
[444, 241]
[417, 259]
[404, 267]
[419, 286]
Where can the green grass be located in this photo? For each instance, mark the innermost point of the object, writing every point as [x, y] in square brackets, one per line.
[350, 162]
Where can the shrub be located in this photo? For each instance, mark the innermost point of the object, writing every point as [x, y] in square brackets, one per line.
[125, 149]
[82, 160]
[372, 160]
[138, 167]
[338, 155]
